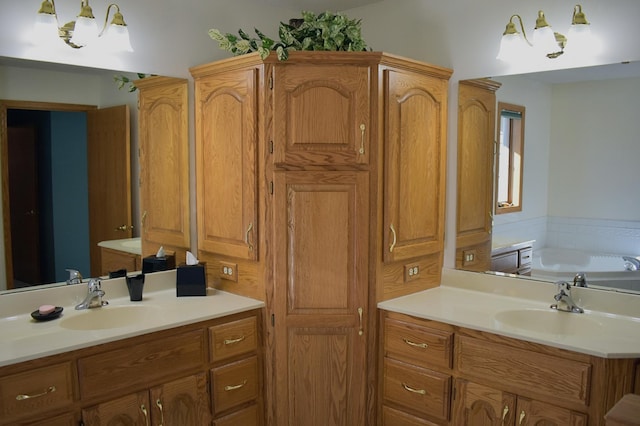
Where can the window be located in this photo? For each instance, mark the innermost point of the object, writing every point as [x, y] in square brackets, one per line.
[509, 159]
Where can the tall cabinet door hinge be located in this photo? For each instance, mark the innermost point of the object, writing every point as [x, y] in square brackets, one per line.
[273, 320]
[270, 147]
[271, 81]
[271, 187]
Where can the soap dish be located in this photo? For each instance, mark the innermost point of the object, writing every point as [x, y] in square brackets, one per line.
[36, 315]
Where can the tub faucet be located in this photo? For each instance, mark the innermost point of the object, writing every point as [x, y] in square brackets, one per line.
[94, 297]
[580, 280]
[631, 263]
[75, 277]
[563, 297]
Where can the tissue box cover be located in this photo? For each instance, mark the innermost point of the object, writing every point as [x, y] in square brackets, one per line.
[155, 264]
[191, 280]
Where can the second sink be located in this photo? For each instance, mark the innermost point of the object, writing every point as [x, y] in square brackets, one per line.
[547, 321]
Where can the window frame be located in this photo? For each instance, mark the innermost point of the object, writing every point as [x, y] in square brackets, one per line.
[513, 203]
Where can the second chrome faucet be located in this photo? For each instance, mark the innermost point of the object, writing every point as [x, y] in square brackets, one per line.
[564, 300]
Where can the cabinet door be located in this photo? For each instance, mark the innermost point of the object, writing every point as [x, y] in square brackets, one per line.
[226, 163]
[182, 402]
[536, 413]
[415, 149]
[476, 137]
[478, 405]
[164, 162]
[321, 114]
[320, 300]
[130, 410]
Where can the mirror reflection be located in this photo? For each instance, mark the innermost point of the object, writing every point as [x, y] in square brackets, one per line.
[59, 196]
[580, 206]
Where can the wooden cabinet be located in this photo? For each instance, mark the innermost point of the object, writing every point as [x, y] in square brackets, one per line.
[236, 379]
[114, 260]
[163, 112]
[181, 402]
[435, 373]
[320, 185]
[513, 258]
[191, 375]
[476, 141]
[37, 392]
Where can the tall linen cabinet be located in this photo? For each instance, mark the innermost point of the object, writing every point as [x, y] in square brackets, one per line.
[320, 189]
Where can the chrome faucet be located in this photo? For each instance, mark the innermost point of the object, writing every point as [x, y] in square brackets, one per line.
[75, 277]
[94, 297]
[580, 280]
[631, 263]
[563, 297]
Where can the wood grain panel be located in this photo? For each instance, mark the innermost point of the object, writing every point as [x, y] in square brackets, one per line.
[532, 412]
[129, 410]
[479, 405]
[523, 371]
[246, 417]
[419, 345]
[182, 402]
[234, 384]
[233, 338]
[391, 417]
[137, 365]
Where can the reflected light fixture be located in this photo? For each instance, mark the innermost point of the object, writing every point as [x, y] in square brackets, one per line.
[84, 30]
[545, 41]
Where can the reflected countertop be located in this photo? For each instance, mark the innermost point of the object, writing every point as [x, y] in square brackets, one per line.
[127, 245]
[25, 339]
[474, 301]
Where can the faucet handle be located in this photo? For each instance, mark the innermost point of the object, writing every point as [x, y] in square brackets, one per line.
[95, 284]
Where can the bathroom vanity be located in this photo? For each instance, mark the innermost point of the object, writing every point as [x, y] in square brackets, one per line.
[164, 360]
[464, 357]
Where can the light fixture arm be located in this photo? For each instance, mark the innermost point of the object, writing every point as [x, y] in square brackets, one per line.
[511, 28]
[118, 19]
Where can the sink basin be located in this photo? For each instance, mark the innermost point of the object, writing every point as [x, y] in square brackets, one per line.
[108, 317]
[548, 322]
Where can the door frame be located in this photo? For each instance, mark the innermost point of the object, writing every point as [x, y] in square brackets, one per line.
[6, 105]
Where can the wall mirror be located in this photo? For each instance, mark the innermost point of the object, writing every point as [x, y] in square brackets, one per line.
[55, 107]
[509, 158]
[580, 206]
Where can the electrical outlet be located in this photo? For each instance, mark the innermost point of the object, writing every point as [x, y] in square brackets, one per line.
[468, 257]
[411, 272]
[229, 271]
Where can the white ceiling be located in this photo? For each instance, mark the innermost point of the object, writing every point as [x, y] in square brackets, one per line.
[601, 72]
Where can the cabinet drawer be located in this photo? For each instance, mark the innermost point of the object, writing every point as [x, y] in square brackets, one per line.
[391, 417]
[233, 338]
[135, 366]
[36, 391]
[245, 417]
[526, 256]
[234, 384]
[417, 389]
[417, 345]
[522, 371]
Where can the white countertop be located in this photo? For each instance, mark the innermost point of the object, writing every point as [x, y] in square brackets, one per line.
[24, 339]
[128, 245]
[472, 300]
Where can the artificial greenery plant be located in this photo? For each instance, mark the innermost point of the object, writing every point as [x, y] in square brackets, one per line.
[326, 31]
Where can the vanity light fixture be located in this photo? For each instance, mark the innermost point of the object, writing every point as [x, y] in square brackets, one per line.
[84, 30]
[546, 42]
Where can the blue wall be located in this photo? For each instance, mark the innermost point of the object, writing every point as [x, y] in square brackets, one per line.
[70, 195]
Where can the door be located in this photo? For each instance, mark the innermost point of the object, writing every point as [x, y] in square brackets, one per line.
[226, 163]
[535, 413]
[321, 114]
[320, 301]
[415, 141]
[130, 410]
[109, 174]
[476, 137]
[182, 402]
[164, 164]
[479, 405]
[23, 195]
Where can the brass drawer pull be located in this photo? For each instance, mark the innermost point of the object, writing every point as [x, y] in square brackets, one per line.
[246, 237]
[234, 387]
[505, 411]
[395, 238]
[232, 341]
[522, 416]
[416, 345]
[159, 405]
[146, 414]
[410, 389]
[362, 129]
[360, 330]
[49, 390]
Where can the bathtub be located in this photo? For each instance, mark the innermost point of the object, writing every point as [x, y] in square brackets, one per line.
[604, 270]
